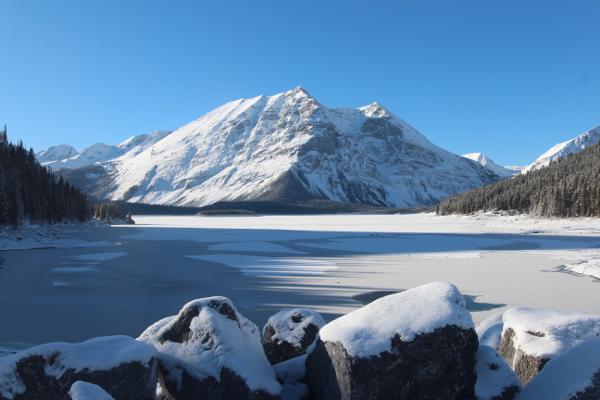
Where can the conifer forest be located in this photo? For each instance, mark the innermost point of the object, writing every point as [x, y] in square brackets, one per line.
[568, 187]
[29, 191]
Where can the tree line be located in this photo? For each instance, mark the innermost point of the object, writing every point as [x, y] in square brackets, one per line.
[568, 187]
[29, 191]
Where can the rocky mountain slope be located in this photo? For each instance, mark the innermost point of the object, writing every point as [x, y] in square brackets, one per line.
[66, 157]
[562, 150]
[286, 147]
[486, 162]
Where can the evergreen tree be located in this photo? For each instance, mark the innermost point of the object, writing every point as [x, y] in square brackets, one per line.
[566, 188]
[30, 191]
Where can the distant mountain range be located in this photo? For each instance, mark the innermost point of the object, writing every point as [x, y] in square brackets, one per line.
[562, 150]
[499, 170]
[288, 148]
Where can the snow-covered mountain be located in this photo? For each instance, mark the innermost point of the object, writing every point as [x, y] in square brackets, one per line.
[55, 153]
[66, 157]
[288, 147]
[564, 149]
[486, 162]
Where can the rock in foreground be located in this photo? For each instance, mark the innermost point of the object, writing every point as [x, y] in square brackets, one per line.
[209, 350]
[419, 344]
[119, 365]
[288, 333]
[532, 336]
[573, 375]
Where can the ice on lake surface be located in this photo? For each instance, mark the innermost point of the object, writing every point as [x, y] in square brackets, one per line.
[140, 274]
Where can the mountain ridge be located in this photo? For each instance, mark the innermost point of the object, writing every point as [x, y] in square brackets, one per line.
[287, 146]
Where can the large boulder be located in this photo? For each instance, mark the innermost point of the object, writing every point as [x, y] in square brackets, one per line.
[209, 350]
[418, 344]
[495, 379]
[119, 365]
[532, 336]
[288, 333]
[573, 375]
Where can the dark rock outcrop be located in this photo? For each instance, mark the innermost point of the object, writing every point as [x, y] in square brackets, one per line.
[419, 344]
[533, 336]
[573, 375]
[525, 365]
[211, 351]
[437, 365]
[121, 366]
[288, 333]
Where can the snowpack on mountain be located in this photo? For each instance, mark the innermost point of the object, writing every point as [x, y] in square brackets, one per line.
[286, 147]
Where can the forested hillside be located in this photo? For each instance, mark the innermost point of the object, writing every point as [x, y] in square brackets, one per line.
[568, 187]
[30, 191]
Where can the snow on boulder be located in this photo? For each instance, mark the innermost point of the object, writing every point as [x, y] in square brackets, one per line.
[288, 333]
[495, 379]
[532, 336]
[418, 344]
[88, 391]
[209, 350]
[120, 365]
[292, 375]
[490, 330]
[573, 375]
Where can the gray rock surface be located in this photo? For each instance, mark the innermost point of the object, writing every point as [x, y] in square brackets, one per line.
[122, 367]
[211, 351]
[438, 365]
[573, 375]
[526, 366]
[288, 333]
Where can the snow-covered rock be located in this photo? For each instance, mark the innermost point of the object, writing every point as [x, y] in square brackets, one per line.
[495, 379]
[88, 391]
[562, 150]
[290, 147]
[532, 336]
[289, 333]
[120, 365]
[209, 350]
[418, 344]
[573, 375]
[486, 162]
[292, 375]
[489, 330]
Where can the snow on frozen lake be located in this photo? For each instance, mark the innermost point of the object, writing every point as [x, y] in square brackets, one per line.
[136, 275]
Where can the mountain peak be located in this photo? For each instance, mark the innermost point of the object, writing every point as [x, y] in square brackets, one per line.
[299, 91]
[376, 110]
[285, 147]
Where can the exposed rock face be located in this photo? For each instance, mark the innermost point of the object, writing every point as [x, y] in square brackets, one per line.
[525, 365]
[251, 149]
[573, 375]
[437, 365]
[419, 344]
[211, 351]
[121, 366]
[288, 333]
[495, 379]
[532, 337]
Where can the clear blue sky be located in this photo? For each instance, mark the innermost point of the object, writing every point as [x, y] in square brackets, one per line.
[506, 78]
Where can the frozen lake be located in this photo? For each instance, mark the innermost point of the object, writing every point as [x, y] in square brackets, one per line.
[142, 273]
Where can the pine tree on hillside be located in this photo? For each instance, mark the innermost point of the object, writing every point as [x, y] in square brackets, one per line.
[568, 187]
[30, 191]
